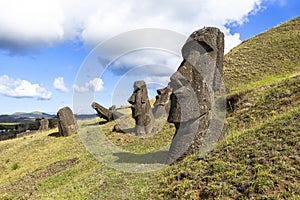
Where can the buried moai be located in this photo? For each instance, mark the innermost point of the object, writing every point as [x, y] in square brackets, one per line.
[43, 124]
[194, 86]
[107, 114]
[162, 103]
[141, 109]
[67, 124]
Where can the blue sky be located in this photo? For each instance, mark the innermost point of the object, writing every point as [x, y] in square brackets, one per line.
[45, 44]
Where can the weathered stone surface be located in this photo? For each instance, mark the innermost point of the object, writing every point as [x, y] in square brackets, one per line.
[118, 128]
[107, 114]
[67, 124]
[43, 124]
[141, 109]
[162, 103]
[194, 85]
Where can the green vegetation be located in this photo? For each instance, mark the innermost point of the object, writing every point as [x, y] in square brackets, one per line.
[269, 56]
[259, 157]
[15, 166]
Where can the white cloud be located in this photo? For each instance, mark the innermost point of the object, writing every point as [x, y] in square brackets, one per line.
[94, 85]
[22, 89]
[28, 25]
[152, 62]
[59, 84]
[162, 80]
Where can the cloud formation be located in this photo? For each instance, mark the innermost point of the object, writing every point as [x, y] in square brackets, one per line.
[32, 24]
[59, 84]
[95, 85]
[22, 89]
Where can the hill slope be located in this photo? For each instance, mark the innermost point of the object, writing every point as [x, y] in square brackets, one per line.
[259, 158]
[271, 55]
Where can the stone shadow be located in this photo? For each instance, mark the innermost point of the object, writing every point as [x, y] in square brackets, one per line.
[158, 157]
[55, 134]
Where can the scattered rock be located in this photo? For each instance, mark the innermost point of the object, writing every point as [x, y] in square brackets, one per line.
[67, 124]
[141, 109]
[193, 85]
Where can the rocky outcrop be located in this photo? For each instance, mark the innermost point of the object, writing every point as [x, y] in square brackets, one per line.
[107, 114]
[67, 124]
[193, 86]
[141, 109]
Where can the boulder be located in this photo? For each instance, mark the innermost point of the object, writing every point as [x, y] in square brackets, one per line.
[67, 124]
[141, 109]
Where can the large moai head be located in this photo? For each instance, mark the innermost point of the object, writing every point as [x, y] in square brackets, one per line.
[204, 50]
[194, 85]
[141, 109]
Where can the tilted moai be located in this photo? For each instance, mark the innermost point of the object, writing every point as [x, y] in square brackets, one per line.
[162, 103]
[67, 124]
[141, 109]
[43, 124]
[107, 114]
[193, 88]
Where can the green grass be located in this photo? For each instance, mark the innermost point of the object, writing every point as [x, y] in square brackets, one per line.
[271, 54]
[259, 158]
[263, 162]
[9, 123]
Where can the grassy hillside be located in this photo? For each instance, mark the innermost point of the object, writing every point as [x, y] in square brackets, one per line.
[259, 157]
[267, 57]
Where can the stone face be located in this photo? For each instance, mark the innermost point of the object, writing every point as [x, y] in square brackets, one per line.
[108, 114]
[141, 109]
[162, 103]
[194, 86]
[43, 124]
[67, 124]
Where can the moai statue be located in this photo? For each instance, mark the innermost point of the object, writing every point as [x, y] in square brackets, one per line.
[108, 114]
[141, 109]
[193, 87]
[67, 124]
[162, 103]
[43, 124]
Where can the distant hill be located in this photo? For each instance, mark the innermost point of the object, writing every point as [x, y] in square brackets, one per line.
[35, 114]
[22, 116]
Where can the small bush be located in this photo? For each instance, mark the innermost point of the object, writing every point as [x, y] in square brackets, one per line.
[15, 166]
